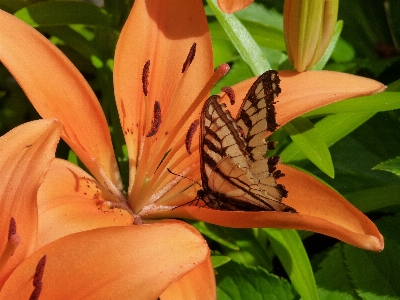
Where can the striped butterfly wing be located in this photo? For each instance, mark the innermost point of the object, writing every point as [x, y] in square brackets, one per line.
[227, 182]
[255, 117]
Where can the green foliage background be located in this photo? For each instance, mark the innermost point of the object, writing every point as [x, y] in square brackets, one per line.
[358, 139]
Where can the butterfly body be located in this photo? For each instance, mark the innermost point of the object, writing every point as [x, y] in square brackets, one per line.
[234, 173]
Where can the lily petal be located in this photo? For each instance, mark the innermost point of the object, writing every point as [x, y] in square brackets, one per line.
[57, 90]
[231, 6]
[70, 200]
[320, 209]
[25, 156]
[162, 32]
[199, 283]
[132, 261]
[303, 92]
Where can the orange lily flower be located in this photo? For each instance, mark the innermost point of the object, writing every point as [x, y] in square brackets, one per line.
[71, 201]
[26, 155]
[231, 6]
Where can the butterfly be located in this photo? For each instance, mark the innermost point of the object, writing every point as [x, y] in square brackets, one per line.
[234, 173]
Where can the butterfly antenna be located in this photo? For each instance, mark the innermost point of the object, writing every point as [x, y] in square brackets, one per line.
[184, 177]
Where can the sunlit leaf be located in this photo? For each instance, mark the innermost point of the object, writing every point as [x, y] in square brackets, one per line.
[310, 141]
[292, 255]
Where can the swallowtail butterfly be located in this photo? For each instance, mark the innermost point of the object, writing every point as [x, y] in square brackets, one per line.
[234, 173]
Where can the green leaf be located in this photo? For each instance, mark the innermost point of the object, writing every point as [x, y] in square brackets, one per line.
[332, 277]
[215, 233]
[392, 165]
[375, 198]
[332, 129]
[377, 275]
[311, 143]
[219, 260]
[290, 250]
[373, 103]
[351, 273]
[328, 52]
[248, 49]
[63, 13]
[237, 282]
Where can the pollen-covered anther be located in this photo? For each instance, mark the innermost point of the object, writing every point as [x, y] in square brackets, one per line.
[13, 242]
[37, 279]
[189, 135]
[230, 93]
[145, 77]
[156, 122]
[12, 228]
[189, 58]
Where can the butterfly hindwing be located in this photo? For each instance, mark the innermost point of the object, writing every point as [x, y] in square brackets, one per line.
[232, 175]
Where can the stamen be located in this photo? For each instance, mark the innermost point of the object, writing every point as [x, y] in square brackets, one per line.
[189, 135]
[230, 93]
[145, 78]
[37, 279]
[163, 146]
[156, 122]
[12, 243]
[217, 75]
[12, 229]
[189, 58]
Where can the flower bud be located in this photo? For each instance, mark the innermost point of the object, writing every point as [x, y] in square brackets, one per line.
[308, 27]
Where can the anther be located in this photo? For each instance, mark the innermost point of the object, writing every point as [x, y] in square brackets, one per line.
[12, 229]
[145, 77]
[189, 135]
[156, 122]
[37, 279]
[230, 93]
[13, 241]
[189, 58]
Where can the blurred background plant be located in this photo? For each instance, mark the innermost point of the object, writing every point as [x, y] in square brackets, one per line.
[361, 134]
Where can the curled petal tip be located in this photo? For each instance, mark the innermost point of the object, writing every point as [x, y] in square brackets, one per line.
[375, 243]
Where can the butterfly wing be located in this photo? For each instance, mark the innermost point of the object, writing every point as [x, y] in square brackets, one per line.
[225, 175]
[255, 117]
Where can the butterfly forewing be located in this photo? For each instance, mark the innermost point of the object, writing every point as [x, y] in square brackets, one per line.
[228, 161]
